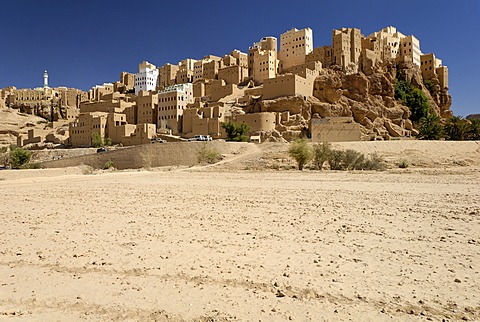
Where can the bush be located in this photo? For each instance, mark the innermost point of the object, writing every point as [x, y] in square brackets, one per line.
[336, 161]
[208, 156]
[31, 166]
[3, 149]
[108, 141]
[321, 153]
[374, 162]
[19, 157]
[403, 164]
[353, 160]
[108, 165]
[86, 169]
[236, 132]
[301, 152]
[97, 140]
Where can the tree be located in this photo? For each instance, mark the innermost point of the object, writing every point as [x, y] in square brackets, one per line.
[455, 128]
[417, 102]
[412, 97]
[473, 130]
[236, 132]
[402, 88]
[301, 152]
[19, 157]
[430, 127]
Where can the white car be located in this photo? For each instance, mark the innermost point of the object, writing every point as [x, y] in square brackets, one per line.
[201, 138]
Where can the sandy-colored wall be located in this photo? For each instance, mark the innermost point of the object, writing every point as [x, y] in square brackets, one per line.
[258, 121]
[149, 155]
[233, 74]
[323, 130]
[442, 73]
[287, 85]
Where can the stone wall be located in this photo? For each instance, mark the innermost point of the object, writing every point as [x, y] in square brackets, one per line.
[148, 155]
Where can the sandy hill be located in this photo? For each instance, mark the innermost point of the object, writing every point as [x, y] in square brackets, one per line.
[13, 123]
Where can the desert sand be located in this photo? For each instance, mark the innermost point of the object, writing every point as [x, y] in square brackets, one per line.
[221, 243]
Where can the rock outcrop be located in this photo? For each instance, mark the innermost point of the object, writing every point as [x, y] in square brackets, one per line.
[368, 97]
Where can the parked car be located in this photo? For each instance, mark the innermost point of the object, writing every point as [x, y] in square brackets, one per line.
[100, 150]
[158, 140]
[201, 138]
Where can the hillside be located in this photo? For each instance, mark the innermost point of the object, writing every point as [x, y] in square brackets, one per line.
[14, 123]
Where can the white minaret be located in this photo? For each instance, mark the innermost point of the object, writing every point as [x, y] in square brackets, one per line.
[45, 79]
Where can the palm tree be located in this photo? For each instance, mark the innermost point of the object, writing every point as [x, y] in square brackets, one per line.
[430, 127]
[473, 130]
[455, 128]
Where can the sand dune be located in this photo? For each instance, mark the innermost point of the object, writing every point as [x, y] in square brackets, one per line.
[211, 244]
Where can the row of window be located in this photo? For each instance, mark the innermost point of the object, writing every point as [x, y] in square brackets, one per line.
[30, 98]
[299, 38]
[297, 46]
[426, 62]
[167, 117]
[170, 98]
[171, 107]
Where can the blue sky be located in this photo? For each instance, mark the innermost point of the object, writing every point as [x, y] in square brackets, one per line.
[89, 42]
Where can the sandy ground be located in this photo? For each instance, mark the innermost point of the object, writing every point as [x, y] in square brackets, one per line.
[211, 244]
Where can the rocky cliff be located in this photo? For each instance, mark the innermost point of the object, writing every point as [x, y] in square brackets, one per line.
[44, 111]
[367, 96]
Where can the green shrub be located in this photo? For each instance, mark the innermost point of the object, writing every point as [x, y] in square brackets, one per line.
[33, 165]
[236, 132]
[97, 140]
[3, 149]
[374, 162]
[208, 156]
[321, 153]
[108, 141]
[108, 165]
[353, 160]
[301, 152]
[19, 157]
[336, 161]
[403, 164]
[86, 169]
